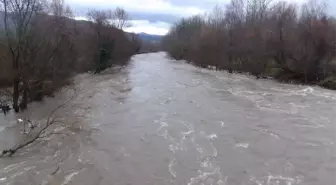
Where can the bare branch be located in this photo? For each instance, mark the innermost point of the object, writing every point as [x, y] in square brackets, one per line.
[31, 138]
[120, 18]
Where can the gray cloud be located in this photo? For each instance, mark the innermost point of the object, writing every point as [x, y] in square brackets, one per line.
[204, 4]
[153, 12]
[154, 17]
[163, 11]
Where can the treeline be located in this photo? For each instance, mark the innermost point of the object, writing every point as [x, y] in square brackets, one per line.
[42, 46]
[261, 37]
[149, 46]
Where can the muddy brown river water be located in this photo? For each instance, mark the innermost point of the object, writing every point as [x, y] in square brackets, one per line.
[165, 122]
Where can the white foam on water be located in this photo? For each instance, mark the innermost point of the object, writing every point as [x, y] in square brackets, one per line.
[44, 182]
[259, 100]
[170, 167]
[123, 151]
[299, 106]
[162, 131]
[209, 173]
[2, 128]
[214, 150]
[3, 178]
[328, 143]
[274, 109]
[58, 129]
[69, 177]
[242, 145]
[274, 135]
[270, 133]
[29, 168]
[310, 126]
[199, 148]
[308, 90]
[312, 91]
[277, 180]
[185, 134]
[80, 157]
[206, 163]
[289, 167]
[326, 95]
[220, 182]
[173, 148]
[212, 136]
[222, 123]
[311, 144]
[257, 182]
[302, 92]
[17, 174]
[165, 135]
[189, 126]
[203, 176]
[162, 125]
[12, 167]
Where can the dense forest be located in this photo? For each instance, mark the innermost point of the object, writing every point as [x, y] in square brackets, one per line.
[42, 46]
[286, 41]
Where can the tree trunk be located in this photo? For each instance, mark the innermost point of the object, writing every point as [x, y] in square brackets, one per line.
[24, 101]
[230, 68]
[16, 94]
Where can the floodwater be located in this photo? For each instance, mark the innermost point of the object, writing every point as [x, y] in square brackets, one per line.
[165, 122]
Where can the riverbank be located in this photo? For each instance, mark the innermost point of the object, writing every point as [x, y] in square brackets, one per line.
[287, 43]
[52, 65]
[282, 77]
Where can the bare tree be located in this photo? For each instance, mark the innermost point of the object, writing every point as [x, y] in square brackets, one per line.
[282, 22]
[235, 20]
[311, 42]
[17, 19]
[59, 8]
[33, 39]
[120, 18]
[262, 37]
[101, 20]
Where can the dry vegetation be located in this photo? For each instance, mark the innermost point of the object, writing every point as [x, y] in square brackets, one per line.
[42, 46]
[261, 37]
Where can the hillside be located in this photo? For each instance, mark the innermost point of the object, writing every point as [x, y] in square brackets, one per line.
[149, 37]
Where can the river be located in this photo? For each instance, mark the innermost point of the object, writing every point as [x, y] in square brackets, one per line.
[165, 122]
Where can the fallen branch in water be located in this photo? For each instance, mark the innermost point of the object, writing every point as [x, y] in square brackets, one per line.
[42, 133]
[53, 173]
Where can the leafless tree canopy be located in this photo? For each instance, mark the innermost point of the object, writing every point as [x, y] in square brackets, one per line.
[43, 46]
[59, 8]
[118, 18]
[262, 37]
[100, 17]
[121, 18]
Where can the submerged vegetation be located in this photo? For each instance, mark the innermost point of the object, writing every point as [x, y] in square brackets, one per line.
[265, 38]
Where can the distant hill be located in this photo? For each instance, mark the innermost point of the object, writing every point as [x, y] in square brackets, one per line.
[149, 37]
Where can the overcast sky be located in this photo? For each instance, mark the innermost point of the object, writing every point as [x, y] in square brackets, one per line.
[156, 16]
